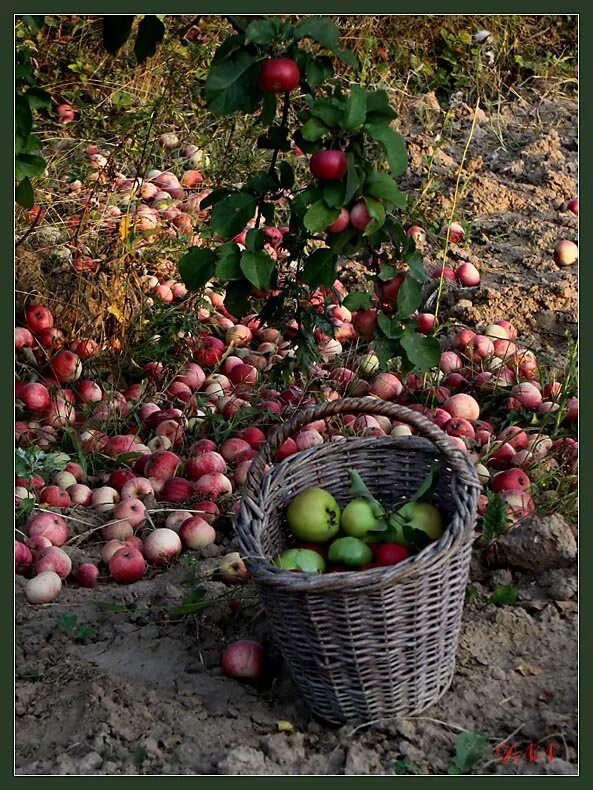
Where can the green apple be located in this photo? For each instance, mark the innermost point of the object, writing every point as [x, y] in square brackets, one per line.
[422, 516]
[305, 560]
[349, 551]
[358, 518]
[314, 515]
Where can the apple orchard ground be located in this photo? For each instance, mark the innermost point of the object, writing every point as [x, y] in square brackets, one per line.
[143, 695]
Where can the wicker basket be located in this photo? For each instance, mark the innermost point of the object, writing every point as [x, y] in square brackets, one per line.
[378, 643]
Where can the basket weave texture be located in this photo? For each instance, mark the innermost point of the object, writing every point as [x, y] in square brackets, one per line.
[378, 643]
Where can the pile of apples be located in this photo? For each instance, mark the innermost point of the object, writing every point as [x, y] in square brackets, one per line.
[163, 422]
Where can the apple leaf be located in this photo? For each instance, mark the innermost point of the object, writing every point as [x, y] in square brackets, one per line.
[386, 349]
[356, 109]
[196, 267]
[23, 194]
[28, 166]
[255, 240]
[353, 179]
[391, 328]
[358, 489]
[358, 300]
[262, 31]
[334, 195]
[320, 268]
[392, 143]
[428, 486]
[232, 84]
[319, 216]
[314, 130]
[377, 211]
[383, 187]
[321, 29]
[423, 352]
[236, 299]
[228, 265]
[379, 111]
[258, 268]
[417, 539]
[232, 213]
[416, 264]
[409, 297]
[470, 748]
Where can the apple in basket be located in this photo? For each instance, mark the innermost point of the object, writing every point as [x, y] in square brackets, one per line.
[313, 515]
[305, 560]
[420, 516]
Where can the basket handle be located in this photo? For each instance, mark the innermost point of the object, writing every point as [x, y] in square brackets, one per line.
[394, 411]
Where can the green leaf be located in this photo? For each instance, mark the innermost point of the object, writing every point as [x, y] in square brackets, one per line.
[470, 748]
[348, 239]
[228, 265]
[353, 179]
[38, 98]
[214, 197]
[422, 352]
[23, 121]
[504, 595]
[314, 130]
[377, 211]
[232, 84]
[276, 137]
[321, 29]
[358, 300]
[348, 57]
[34, 21]
[318, 71]
[383, 187]
[229, 46]
[236, 298]
[196, 267]
[409, 297]
[262, 31]
[387, 272]
[28, 166]
[24, 195]
[260, 183]
[320, 268]
[428, 486]
[392, 143]
[391, 328]
[255, 240]
[494, 520]
[330, 111]
[356, 109]
[416, 264]
[232, 214]
[268, 111]
[286, 175]
[379, 111]
[151, 32]
[319, 216]
[386, 349]
[334, 194]
[417, 539]
[258, 268]
[116, 31]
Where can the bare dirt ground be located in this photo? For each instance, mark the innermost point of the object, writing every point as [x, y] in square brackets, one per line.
[138, 693]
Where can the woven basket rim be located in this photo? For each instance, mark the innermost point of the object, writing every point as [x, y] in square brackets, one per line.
[432, 556]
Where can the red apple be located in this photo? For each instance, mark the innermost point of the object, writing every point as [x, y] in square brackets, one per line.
[244, 660]
[359, 215]
[279, 75]
[38, 317]
[195, 533]
[127, 565]
[87, 575]
[329, 165]
[390, 553]
[49, 525]
[341, 223]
